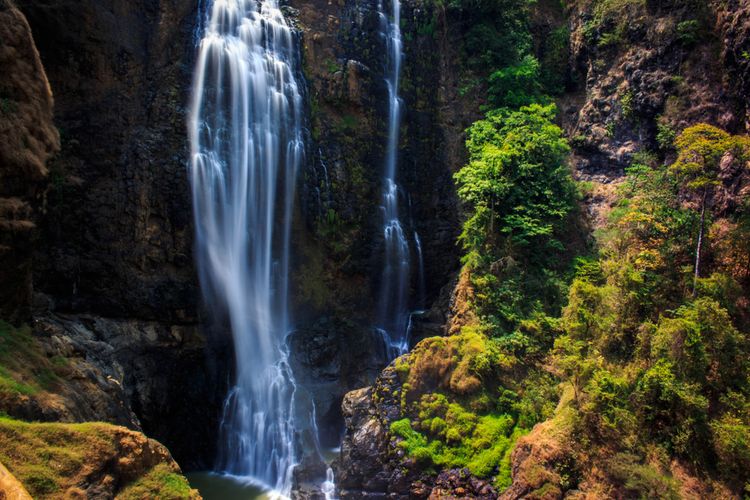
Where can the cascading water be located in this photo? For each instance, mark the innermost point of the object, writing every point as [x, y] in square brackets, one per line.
[394, 295]
[246, 147]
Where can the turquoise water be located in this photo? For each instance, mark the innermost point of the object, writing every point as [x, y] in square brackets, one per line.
[214, 486]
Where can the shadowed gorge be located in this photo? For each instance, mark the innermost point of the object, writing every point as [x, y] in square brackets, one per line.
[403, 249]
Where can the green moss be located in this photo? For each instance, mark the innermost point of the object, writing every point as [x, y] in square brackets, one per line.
[45, 456]
[346, 124]
[445, 434]
[159, 482]
[626, 104]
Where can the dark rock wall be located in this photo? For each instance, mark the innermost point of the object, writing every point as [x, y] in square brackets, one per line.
[118, 232]
[339, 254]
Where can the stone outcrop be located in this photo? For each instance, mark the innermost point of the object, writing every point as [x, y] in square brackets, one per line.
[29, 139]
[341, 192]
[10, 487]
[649, 70]
[115, 224]
[165, 379]
[327, 364]
[89, 461]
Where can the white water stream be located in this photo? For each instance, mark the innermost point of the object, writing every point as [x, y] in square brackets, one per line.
[245, 131]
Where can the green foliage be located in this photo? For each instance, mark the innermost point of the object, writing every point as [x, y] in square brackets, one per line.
[643, 480]
[497, 35]
[673, 412]
[731, 437]
[688, 32]
[516, 182]
[700, 150]
[626, 104]
[665, 136]
[609, 20]
[519, 193]
[24, 368]
[651, 364]
[516, 85]
[554, 63]
[538, 400]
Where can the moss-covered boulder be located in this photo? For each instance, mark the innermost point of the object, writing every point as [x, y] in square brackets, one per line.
[90, 460]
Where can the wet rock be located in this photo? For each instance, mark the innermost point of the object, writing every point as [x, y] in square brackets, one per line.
[329, 359]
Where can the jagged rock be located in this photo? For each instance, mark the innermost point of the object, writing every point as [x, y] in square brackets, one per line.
[651, 76]
[147, 375]
[143, 375]
[372, 465]
[459, 483]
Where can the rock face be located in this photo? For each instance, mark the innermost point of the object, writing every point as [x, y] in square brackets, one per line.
[139, 374]
[341, 192]
[327, 364]
[650, 70]
[338, 235]
[29, 139]
[117, 233]
[115, 237]
[167, 376]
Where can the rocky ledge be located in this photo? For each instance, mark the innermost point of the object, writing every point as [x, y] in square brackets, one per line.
[372, 465]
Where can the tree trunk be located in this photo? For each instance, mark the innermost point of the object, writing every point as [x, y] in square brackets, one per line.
[699, 246]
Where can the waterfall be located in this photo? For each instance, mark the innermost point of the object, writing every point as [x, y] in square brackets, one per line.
[422, 288]
[246, 139]
[394, 294]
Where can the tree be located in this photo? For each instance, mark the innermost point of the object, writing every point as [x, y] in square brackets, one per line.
[517, 85]
[516, 184]
[700, 151]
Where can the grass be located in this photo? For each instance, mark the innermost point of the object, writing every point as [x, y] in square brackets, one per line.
[159, 482]
[48, 458]
[24, 368]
